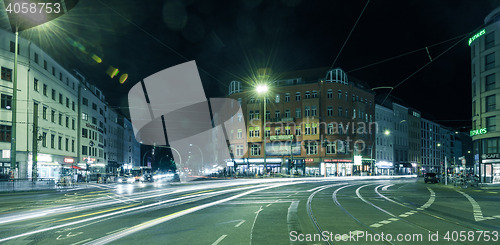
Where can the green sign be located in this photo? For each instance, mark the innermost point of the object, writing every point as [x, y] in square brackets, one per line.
[478, 131]
[482, 32]
[282, 137]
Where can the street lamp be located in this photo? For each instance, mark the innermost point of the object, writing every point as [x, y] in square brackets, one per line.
[262, 90]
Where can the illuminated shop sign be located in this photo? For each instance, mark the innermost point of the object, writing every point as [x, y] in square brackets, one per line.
[482, 32]
[68, 160]
[478, 131]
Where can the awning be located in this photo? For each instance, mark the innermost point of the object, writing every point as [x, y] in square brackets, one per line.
[405, 165]
[75, 167]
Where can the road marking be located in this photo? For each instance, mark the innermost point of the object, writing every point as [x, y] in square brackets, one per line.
[376, 225]
[69, 235]
[268, 205]
[393, 219]
[292, 219]
[476, 209]
[241, 222]
[220, 239]
[80, 242]
[385, 187]
[115, 231]
[253, 225]
[99, 212]
[313, 189]
[190, 194]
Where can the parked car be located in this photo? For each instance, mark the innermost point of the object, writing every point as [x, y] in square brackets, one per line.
[431, 178]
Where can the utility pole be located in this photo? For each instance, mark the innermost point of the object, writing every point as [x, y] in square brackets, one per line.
[34, 166]
[445, 170]
[13, 147]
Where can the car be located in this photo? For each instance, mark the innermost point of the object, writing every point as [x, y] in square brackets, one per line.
[147, 178]
[431, 178]
[126, 179]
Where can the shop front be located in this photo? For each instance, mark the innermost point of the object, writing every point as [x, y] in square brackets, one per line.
[490, 168]
[337, 167]
[255, 166]
[384, 168]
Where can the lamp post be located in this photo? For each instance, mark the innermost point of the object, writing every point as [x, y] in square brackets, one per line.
[143, 163]
[262, 90]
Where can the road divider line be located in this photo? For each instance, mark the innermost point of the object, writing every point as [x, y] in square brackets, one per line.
[219, 240]
[241, 222]
[99, 212]
[476, 209]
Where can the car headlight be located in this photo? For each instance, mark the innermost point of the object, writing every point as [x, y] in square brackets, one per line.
[120, 180]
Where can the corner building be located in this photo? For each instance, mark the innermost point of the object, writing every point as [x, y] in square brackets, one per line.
[485, 71]
[315, 127]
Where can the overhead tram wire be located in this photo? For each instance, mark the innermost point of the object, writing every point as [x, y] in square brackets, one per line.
[429, 62]
[160, 42]
[408, 53]
[352, 29]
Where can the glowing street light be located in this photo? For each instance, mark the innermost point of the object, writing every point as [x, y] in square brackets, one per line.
[262, 90]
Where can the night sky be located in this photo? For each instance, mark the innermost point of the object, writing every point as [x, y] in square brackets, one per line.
[231, 39]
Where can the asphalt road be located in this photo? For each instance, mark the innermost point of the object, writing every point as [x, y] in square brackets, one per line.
[272, 211]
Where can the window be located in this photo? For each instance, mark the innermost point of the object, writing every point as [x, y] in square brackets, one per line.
[85, 101]
[490, 103]
[60, 118]
[287, 130]
[94, 120]
[329, 129]
[256, 115]
[72, 145]
[268, 115]
[240, 134]
[314, 111]
[314, 129]
[340, 111]
[73, 105]
[67, 122]
[36, 58]
[315, 94]
[329, 94]
[277, 131]
[73, 124]
[60, 98]
[255, 150]
[52, 141]
[250, 115]
[6, 101]
[60, 76]
[13, 47]
[45, 89]
[287, 97]
[257, 132]
[312, 148]
[297, 113]
[45, 66]
[67, 102]
[277, 98]
[340, 94]
[353, 113]
[250, 132]
[53, 94]
[94, 106]
[277, 115]
[44, 139]
[53, 116]
[489, 61]
[85, 133]
[59, 143]
[44, 112]
[346, 97]
[308, 95]
[492, 145]
[297, 130]
[330, 148]
[84, 150]
[85, 116]
[5, 133]
[489, 40]
[268, 132]
[297, 96]
[6, 74]
[287, 113]
[35, 84]
[490, 82]
[53, 71]
[67, 144]
[307, 129]
[307, 111]
[239, 150]
[491, 124]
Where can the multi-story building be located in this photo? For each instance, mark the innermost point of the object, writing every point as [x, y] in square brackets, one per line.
[131, 148]
[114, 141]
[384, 158]
[431, 146]
[485, 50]
[46, 112]
[325, 125]
[414, 140]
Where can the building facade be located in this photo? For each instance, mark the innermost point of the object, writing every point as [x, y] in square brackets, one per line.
[384, 159]
[60, 117]
[313, 126]
[485, 71]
